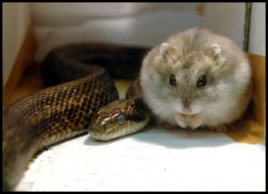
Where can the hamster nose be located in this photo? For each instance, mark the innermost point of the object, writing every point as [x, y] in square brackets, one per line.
[186, 110]
[186, 107]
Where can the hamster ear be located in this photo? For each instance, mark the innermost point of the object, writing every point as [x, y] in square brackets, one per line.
[164, 48]
[168, 51]
[215, 50]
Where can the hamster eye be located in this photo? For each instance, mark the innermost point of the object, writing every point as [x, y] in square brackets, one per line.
[202, 81]
[172, 80]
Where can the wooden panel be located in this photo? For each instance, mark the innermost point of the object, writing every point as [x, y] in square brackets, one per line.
[24, 59]
[252, 129]
[258, 67]
[30, 82]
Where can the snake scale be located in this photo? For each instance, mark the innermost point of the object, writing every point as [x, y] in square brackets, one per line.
[80, 96]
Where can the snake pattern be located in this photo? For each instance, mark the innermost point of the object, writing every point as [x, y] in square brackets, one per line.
[80, 96]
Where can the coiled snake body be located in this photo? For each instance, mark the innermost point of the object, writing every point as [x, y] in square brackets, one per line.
[71, 108]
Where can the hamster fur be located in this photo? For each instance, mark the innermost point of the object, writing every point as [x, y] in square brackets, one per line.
[189, 55]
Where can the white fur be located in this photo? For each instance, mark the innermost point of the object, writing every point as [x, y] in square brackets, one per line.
[164, 46]
[216, 49]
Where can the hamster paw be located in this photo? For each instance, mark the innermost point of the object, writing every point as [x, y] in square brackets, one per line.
[220, 129]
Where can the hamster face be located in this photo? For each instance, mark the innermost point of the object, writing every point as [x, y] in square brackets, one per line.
[190, 89]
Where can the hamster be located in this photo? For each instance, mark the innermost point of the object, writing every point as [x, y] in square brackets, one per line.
[197, 78]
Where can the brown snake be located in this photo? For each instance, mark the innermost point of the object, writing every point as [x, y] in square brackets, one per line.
[71, 108]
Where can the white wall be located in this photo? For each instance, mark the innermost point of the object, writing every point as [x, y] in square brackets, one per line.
[126, 23]
[257, 41]
[75, 13]
[130, 23]
[227, 19]
[16, 18]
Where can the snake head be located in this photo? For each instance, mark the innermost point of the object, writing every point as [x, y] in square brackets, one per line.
[120, 118]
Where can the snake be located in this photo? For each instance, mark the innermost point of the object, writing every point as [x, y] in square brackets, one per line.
[79, 97]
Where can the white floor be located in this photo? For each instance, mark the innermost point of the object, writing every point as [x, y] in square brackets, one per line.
[152, 160]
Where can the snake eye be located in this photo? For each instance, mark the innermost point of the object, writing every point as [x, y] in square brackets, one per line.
[121, 119]
[202, 81]
[172, 80]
